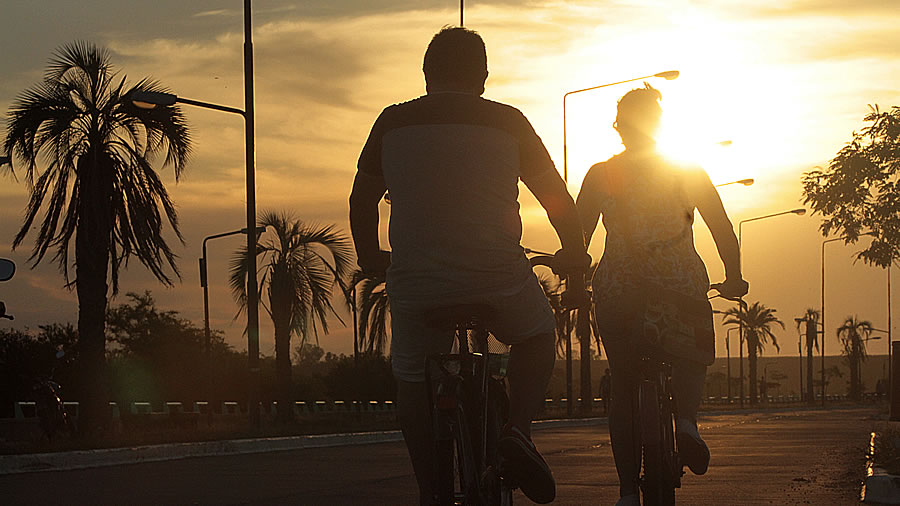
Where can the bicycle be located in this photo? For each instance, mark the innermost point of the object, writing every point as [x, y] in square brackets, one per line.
[655, 417]
[470, 405]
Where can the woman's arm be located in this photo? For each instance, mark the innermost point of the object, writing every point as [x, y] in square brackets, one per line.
[588, 202]
[713, 212]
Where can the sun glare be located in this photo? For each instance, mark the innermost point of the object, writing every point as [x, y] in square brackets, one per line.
[717, 114]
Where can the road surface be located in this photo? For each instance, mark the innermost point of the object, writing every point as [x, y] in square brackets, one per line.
[805, 457]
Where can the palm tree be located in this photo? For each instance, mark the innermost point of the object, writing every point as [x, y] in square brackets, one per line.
[811, 319]
[374, 313]
[758, 322]
[853, 335]
[301, 265]
[98, 185]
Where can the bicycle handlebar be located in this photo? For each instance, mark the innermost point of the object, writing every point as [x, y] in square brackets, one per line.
[718, 288]
[575, 296]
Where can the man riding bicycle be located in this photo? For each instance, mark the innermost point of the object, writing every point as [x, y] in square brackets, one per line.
[451, 162]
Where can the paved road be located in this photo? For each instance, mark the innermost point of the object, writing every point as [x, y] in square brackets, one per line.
[808, 457]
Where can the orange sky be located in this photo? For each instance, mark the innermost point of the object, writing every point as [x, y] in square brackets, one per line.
[786, 81]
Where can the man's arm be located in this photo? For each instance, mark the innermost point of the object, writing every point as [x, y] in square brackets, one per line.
[550, 190]
[364, 198]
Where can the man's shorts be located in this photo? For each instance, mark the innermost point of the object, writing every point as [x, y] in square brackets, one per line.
[521, 315]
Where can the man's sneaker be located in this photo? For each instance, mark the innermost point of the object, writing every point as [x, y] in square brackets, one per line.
[691, 447]
[525, 467]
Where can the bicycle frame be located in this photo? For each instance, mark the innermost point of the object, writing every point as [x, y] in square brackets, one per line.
[467, 422]
[655, 415]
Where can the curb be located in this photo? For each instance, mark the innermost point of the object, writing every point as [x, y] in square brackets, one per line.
[84, 459]
[879, 487]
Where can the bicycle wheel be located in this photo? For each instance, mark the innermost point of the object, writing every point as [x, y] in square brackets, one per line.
[657, 482]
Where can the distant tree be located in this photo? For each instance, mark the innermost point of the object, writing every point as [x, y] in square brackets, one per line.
[301, 265]
[758, 322]
[156, 355]
[853, 335]
[859, 193]
[98, 186]
[810, 320]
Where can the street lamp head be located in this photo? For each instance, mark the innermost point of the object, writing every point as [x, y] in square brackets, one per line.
[747, 182]
[799, 212]
[151, 99]
[259, 230]
[668, 75]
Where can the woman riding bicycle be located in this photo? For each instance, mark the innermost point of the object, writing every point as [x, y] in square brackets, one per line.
[647, 204]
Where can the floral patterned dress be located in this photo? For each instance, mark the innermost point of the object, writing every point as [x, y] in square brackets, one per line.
[648, 213]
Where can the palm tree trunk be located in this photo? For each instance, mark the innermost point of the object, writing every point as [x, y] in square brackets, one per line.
[92, 253]
[752, 347]
[283, 373]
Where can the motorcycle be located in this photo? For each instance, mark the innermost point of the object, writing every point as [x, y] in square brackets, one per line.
[49, 407]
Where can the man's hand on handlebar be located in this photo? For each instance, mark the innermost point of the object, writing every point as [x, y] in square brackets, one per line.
[574, 266]
[731, 288]
[567, 262]
[375, 265]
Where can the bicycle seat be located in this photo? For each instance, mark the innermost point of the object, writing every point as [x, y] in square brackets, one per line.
[468, 315]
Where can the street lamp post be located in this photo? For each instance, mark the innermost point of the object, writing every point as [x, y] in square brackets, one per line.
[826, 241]
[150, 100]
[667, 75]
[799, 212]
[205, 284]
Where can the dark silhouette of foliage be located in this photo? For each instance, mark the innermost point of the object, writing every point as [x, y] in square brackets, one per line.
[858, 193]
[26, 357]
[88, 154]
[159, 356]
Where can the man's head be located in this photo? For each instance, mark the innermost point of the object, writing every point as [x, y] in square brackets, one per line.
[455, 61]
[638, 116]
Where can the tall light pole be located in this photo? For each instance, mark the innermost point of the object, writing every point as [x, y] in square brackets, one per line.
[826, 241]
[461, 23]
[204, 283]
[799, 212]
[149, 100]
[667, 75]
